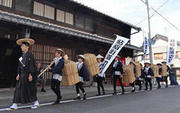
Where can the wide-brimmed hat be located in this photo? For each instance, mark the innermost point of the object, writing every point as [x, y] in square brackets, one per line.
[81, 56]
[118, 56]
[146, 63]
[25, 40]
[163, 62]
[59, 49]
[99, 56]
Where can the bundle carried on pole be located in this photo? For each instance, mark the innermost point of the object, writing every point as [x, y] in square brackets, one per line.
[164, 70]
[91, 64]
[128, 75]
[155, 70]
[70, 73]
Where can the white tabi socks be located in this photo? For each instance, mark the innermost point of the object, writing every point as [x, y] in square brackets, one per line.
[14, 106]
[36, 105]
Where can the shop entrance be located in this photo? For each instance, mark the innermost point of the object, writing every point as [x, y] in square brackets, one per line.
[9, 54]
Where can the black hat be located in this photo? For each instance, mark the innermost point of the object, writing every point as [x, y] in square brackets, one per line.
[163, 62]
[159, 64]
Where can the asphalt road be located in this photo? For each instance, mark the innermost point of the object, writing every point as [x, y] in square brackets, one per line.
[156, 101]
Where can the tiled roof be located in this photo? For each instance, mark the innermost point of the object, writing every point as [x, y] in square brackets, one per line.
[85, 6]
[57, 28]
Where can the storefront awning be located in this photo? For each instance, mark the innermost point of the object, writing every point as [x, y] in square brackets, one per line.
[53, 27]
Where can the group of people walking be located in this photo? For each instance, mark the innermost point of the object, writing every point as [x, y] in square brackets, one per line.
[26, 90]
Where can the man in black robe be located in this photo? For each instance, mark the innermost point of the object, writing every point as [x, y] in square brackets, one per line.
[26, 90]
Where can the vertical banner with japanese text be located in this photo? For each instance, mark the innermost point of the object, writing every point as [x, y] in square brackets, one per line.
[145, 47]
[171, 50]
[113, 52]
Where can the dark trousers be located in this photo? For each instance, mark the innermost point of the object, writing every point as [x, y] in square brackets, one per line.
[173, 80]
[115, 77]
[164, 79]
[148, 82]
[132, 84]
[138, 82]
[158, 82]
[100, 84]
[79, 85]
[55, 86]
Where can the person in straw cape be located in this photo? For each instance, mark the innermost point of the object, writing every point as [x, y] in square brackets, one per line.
[132, 75]
[117, 71]
[83, 77]
[158, 78]
[99, 77]
[57, 73]
[139, 78]
[148, 74]
[26, 90]
[165, 73]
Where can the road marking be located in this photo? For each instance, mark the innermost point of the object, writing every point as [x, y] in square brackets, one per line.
[68, 101]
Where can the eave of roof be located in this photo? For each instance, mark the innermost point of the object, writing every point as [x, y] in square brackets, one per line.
[53, 27]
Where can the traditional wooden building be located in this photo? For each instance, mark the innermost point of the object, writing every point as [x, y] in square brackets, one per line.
[66, 24]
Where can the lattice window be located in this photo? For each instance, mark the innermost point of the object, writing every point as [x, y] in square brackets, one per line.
[38, 9]
[49, 12]
[1, 3]
[69, 18]
[7, 3]
[60, 15]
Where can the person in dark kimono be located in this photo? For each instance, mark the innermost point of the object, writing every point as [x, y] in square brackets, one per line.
[117, 71]
[158, 79]
[83, 77]
[148, 74]
[172, 75]
[99, 77]
[56, 70]
[26, 90]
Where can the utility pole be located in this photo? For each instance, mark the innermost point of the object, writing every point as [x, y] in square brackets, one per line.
[149, 34]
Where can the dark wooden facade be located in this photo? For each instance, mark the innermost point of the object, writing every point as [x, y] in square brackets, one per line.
[84, 20]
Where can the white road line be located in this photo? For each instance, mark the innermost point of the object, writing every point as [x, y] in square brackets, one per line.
[68, 101]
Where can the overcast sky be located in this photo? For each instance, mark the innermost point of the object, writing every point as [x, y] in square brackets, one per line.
[134, 11]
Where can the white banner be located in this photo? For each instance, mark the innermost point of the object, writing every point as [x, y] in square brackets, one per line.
[145, 45]
[171, 53]
[113, 52]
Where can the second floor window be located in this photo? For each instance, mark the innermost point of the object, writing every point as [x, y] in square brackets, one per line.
[7, 3]
[60, 15]
[158, 56]
[69, 19]
[43, 10]
[49, 12]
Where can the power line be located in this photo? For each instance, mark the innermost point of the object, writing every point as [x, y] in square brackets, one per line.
[153, 12]
[163, 17]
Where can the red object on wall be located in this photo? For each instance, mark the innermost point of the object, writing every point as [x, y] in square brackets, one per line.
[123, 61]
